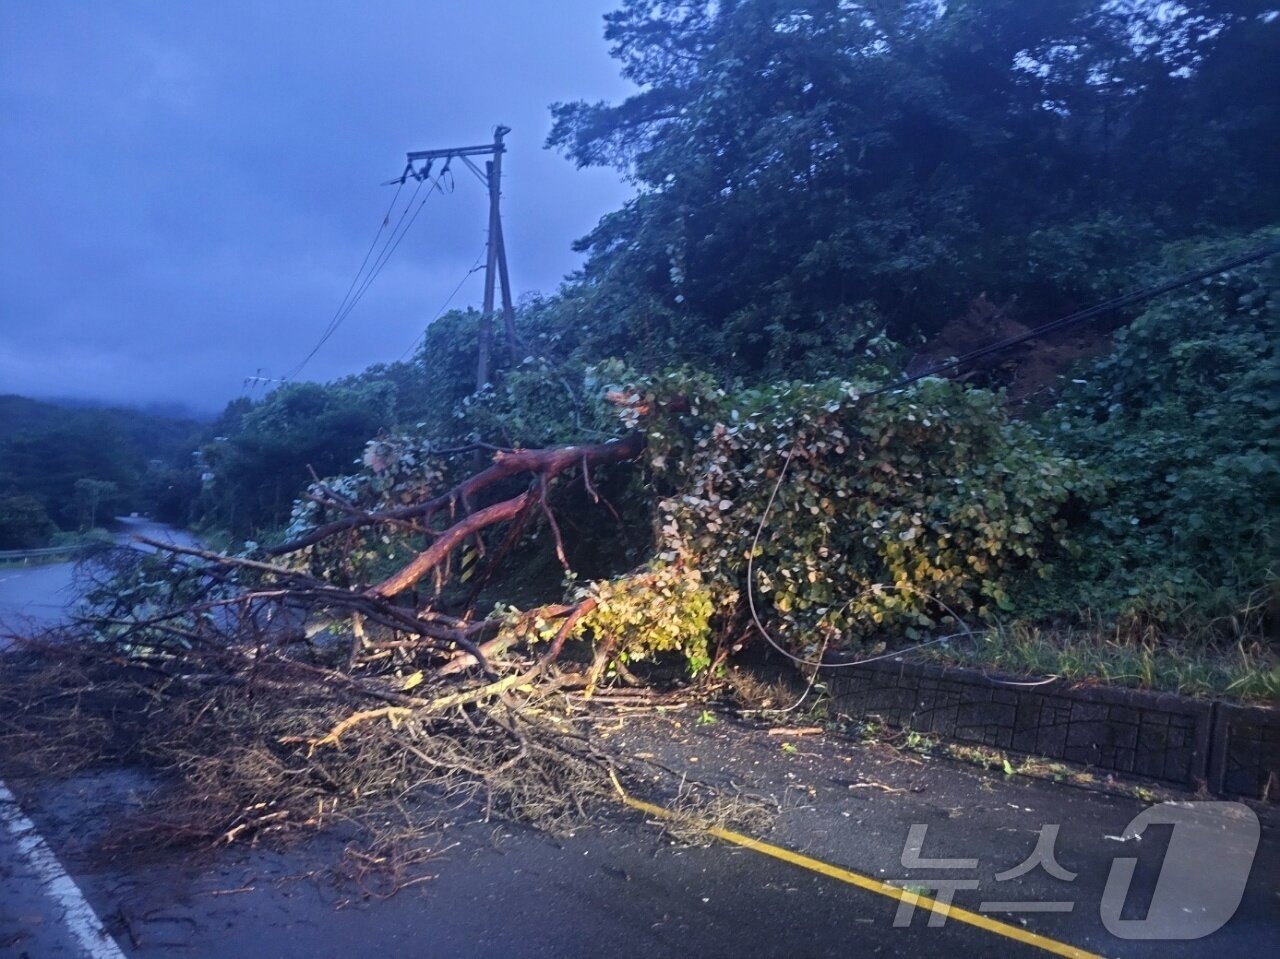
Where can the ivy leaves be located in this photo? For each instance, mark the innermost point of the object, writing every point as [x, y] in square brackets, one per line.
[934, 487]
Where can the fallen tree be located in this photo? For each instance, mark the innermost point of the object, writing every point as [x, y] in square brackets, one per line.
[400, 568]
[374, 657]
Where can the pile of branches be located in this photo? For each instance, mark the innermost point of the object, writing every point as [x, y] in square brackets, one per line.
[270, 701]
[256, 611]
[259, 742]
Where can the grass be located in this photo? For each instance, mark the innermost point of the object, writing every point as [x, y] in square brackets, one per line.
[1249, 672]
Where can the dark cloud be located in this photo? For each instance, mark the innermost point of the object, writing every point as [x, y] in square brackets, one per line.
[189, 188]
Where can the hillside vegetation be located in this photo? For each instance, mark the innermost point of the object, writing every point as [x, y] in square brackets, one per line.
[68, 469]
[725, 436]
[830, 196]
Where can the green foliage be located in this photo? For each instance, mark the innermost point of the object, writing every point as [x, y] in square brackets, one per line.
[128, 591]
[395, 470]
[48, 452]
[822, 186]
[890, 505]
[24, 524]
[664, 609]
[814, 172]
[265, 461]
[534, 404]
[1100, 651]
[1180, 422]
[536, 401]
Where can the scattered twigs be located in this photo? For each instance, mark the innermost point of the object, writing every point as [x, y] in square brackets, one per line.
[511, 682]
[275, 701]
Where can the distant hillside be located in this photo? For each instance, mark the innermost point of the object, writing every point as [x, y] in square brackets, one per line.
[23, 413]
[73, 467]
[171, 410]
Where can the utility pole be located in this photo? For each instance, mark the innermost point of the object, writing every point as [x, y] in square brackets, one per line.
[495, 269]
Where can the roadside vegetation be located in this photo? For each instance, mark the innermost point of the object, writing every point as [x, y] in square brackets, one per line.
[690, 449]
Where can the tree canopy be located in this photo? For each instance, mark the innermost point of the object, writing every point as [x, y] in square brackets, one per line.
[830, 195]
[811, 172]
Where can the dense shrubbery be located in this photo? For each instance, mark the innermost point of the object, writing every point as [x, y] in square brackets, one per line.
[1179, 421]
[889, 507]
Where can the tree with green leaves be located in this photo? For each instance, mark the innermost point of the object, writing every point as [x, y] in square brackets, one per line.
[811, 172]
[276, 446]
[93, 499]
[24, 524]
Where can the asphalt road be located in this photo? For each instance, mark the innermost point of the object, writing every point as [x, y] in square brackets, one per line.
[624, 889]
[849, 810]
[36, 596]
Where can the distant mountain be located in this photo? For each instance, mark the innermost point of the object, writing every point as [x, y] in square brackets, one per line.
[46, 448]
[171, 410]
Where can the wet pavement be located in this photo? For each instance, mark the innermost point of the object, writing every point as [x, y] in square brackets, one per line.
[37, 596]
[625, 889]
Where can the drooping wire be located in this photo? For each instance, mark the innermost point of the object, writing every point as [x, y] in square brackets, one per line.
[1115, 303]
[443, 306]
[878, 587]
[334, 320]
[393, 242]
[389, 247]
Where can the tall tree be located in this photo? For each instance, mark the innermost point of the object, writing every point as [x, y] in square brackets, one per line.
[811, 171]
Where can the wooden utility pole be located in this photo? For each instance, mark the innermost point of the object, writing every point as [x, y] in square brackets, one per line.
[495, 269]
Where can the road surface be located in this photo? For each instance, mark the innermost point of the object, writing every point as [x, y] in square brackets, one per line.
[858, 823]
[35, 596]
[624, 889]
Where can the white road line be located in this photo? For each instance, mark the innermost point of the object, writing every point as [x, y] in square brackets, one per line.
[77, 914]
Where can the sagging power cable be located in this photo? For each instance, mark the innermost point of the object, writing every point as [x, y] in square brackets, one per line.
[360, 285]
[1115, 303]
[475, 267]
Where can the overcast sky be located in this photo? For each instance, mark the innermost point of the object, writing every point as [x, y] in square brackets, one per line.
[189, 188]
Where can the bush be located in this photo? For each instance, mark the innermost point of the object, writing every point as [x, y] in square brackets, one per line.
[1179, 421]
[877, 515]
[24, 524]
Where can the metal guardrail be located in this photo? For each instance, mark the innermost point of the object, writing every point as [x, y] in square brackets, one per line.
[12, 555]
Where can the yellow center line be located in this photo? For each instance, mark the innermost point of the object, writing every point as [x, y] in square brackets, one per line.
[873, 885]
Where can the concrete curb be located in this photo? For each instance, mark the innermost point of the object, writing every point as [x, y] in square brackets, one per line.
[1220, 747]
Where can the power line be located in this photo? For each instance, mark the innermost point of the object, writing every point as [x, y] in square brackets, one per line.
[333, 320]
[361, 286]
[444, 306]
[349, 302]
[393, 242]
[1115, 303]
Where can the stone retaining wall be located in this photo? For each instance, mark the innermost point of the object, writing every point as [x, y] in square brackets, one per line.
[1226, 749]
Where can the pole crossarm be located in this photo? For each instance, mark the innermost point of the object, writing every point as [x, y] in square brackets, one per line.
[453, 152]
[449, 153]
[495, 271]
